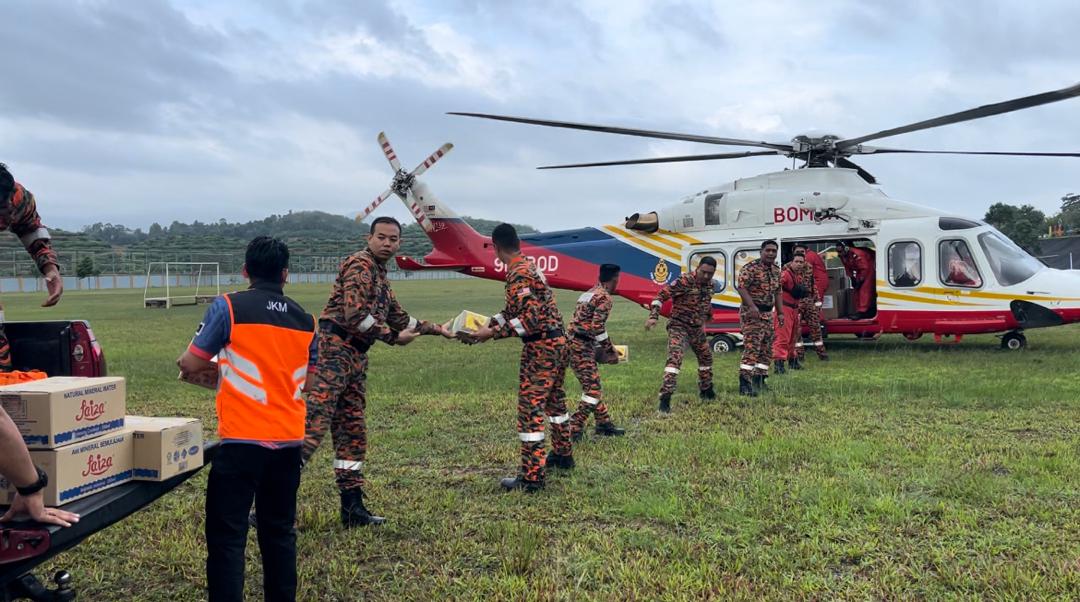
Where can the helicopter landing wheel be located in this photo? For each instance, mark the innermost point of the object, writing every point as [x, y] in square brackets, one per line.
[1013, 341]
[723, 343]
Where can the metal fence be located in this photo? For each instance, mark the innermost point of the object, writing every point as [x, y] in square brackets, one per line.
[17, 263]
[20, 284]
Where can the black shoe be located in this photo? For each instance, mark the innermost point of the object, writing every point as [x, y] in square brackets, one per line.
[665, 403]
[353, 512]
[555, 460]
[708, 394]
[779, 366]
[758, 383]
[795, 365]
[608, 429]
[745, 388]
[512, 483]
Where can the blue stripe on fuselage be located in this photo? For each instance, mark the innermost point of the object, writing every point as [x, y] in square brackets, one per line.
[596, 247]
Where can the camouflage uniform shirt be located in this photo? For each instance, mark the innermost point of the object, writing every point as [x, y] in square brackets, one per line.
[364, 305]
[530, 303]
[19, 215]
[691, 301]
[762, 281]
[591, 314]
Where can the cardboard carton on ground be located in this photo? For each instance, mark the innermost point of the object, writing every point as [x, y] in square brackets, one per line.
[624, 352]
[65, 409]
[468, 322]
[164, 447]
[80, 469]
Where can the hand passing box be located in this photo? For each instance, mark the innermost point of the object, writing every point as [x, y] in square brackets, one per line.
[468, 322]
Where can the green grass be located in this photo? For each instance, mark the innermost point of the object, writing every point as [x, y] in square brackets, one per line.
[897, 471]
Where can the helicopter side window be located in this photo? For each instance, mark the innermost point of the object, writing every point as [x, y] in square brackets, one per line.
[905, 264]
[957, 265]
[714, 209]
[720, 278]
[741, 258]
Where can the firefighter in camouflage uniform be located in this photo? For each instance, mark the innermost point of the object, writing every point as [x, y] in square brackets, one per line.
[590, 344]
[691, 306]
[362, 309]
[810, 306]
[18, 213]
[532, 315]
[759, 287]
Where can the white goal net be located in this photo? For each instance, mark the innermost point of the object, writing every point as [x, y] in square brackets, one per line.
[170, 283]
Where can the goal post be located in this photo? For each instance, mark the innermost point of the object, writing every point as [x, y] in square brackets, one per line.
[170, 283]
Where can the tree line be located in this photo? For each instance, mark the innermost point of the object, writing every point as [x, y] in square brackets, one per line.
[1025, 224]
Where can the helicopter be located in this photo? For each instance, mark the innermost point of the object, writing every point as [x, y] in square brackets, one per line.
[938, 273]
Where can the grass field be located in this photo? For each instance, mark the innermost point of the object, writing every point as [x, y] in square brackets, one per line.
[897, 471]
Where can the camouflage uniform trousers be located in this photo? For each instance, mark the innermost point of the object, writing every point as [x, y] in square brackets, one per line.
[811, 318]
[758, 336]
[583, 362]
[680, 337]
[540, 392]
[336, 402]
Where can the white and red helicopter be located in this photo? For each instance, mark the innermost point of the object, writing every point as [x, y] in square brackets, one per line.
[937, 273]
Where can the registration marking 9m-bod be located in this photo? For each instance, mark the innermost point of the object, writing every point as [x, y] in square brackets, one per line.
[548, 264]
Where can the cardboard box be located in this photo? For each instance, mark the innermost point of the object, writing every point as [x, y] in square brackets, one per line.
[468, 322]
[65, 409]
[80, 469]
[624, 353]
[164, 447]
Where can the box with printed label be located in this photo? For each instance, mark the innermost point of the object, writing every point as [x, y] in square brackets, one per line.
[624, 352]
[468, 322]
[80, 469]
[164, 447]
[65, 409]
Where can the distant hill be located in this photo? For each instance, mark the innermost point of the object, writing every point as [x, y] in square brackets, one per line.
[315, 238]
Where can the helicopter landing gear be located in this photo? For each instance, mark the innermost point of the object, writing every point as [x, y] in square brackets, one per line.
[1013, 341]
[723, 343]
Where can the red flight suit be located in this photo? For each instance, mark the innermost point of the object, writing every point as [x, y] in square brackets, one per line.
[859, 264]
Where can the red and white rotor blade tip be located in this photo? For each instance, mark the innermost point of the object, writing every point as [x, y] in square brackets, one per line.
[374, 204]
[388, 150]
[432, 159]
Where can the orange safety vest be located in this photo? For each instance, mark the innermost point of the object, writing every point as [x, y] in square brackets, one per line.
[263, 367]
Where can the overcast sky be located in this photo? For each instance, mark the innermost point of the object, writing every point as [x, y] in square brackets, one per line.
[139, 111]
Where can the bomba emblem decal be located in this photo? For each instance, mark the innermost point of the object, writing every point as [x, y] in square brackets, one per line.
[660, 272]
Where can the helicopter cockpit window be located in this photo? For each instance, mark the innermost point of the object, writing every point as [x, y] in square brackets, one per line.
[905, 264]
[1010, 264]
[957, 265]
[720, 278]
[714, 209]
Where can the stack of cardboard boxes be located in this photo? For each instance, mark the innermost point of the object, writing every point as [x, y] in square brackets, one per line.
[78, 433]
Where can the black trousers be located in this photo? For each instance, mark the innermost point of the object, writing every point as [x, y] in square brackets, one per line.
[242, 473]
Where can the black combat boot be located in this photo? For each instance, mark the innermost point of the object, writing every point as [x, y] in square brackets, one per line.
[555, 460]
[758, 383]
[607, 429]
[778, 365]
[512, 483]
[353, 512]
[708, 394]
[665, 403]
[795, 364]
[745, 388]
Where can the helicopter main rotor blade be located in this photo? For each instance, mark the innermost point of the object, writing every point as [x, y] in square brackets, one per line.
[666, 159]
[631, 132]
[1007, 106]
[870, 150]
